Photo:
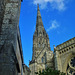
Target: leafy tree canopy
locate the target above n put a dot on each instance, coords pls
(49, 71)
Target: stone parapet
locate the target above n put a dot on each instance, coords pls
(63, 54)
(70, 43)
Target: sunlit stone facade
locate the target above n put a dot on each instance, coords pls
(65, 57)
(62, 59)
(42, 54)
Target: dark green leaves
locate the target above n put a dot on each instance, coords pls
(49, 71)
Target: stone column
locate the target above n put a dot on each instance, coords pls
(57, 60)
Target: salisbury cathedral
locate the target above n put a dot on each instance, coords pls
(62, 59)
(11, 55)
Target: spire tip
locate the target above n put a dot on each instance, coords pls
(38, 5)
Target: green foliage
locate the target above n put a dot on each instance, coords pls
(49, 71)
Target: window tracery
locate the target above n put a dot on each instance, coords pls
(71, 67)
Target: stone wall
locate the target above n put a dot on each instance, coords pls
(11, 57)
(8, 60)
(26, 70)
(2, 9)
(63, 54)
(40, 64)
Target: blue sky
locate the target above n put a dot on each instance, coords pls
(58, 19)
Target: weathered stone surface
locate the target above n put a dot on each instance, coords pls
(63, 54)
(11, 57)
(42, 55)
(7, 60)
(63, 58)
(26, 70)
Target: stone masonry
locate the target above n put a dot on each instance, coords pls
(65, 57)
(11, 55)
(10, 52)
(42, 54)
(62, 59)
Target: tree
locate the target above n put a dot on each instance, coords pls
(49, 71)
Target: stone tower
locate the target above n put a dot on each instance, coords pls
(40, 37)
(42, 54)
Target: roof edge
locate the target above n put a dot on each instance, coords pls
(65, 41)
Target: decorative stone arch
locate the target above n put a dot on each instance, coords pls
(70, 55)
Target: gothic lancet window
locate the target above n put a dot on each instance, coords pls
(71, 67)
(43, 33)
(43, 59)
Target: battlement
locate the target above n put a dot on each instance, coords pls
(66, 44)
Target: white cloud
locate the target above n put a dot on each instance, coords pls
(41, 2)
(54, 25)
(55, 4)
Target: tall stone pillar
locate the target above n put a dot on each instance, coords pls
(57, 60)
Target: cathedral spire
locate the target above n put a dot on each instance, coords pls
(39, 19)
(40, 37)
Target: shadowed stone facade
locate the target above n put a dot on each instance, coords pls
(26, 70)
(62, 59)
(11, 56)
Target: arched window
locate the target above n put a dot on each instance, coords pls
(71, 67)
(42, 59)
(45, 57)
